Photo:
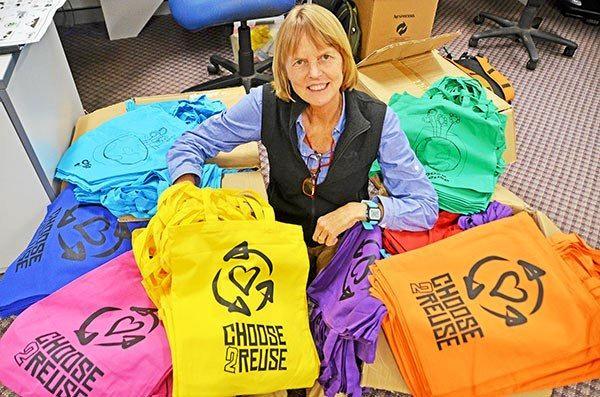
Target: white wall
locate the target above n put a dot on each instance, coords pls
(87, 11)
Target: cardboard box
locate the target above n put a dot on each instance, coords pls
(412, 66)
(244, 156)
(384, 22)
(251, 180)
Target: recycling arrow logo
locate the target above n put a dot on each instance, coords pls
(113, 326)
(358, 269)
(92, 234)
(514, 292)
(247, 284)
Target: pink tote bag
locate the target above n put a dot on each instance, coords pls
(97, 336)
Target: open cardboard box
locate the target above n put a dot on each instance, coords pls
(412, 66)
(243, 156)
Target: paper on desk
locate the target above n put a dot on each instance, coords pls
(25, 21)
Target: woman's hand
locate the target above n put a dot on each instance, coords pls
(330, 226)
(187, 178)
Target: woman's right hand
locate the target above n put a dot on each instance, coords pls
(187, 178)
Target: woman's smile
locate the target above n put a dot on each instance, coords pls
(318, 87)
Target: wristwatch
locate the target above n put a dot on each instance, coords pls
(373, 214)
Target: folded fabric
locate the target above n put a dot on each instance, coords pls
(483, 313)
(399, 241)
(98, 336)
(229, 283)
(346, 319)
(458, 135)
(493, 212)
(72, 239)
(140, 197)
(192, 112)
(122, 162)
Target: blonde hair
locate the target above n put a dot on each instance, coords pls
(322, 27)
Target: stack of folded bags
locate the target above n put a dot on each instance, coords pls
(458, 135)
(98, 335)
(482, 313)
(73, 239)
(217, 265)
(346, 319)
(122, 163)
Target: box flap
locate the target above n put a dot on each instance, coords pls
(383, 373)
(251, 180)
(405, 49)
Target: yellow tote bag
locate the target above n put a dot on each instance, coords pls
(230, 284)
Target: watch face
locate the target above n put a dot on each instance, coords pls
(374, 214)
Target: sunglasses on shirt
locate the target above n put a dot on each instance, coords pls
(309, 184)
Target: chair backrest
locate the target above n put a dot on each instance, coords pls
(200, 14)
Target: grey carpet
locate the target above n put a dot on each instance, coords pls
(163, 59)
(556, 105)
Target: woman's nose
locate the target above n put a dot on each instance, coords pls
(314, 70)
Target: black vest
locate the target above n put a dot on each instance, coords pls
(348, 175)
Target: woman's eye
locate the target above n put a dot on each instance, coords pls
(299, 62)
(326, 57)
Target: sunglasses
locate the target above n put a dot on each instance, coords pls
(309, 184)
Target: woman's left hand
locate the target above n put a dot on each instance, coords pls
(330, 226)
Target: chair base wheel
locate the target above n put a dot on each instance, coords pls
(537, 21)
(473, 42)
(478, 20)
(531, 64)
(569, 51)
(213, 69)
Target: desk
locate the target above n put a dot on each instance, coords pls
(40, 106)
(127, 18)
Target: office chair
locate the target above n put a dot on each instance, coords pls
(524, 30)
(200, 14)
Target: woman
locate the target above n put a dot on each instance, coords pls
(321, 137)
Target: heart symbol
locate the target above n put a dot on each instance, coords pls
(124, 325)
(92, 230)
(511, 291)
(243, 278)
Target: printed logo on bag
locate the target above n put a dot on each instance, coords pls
(247, 286)
(35, 250)
(516, 292)
(439, 149)
(450, 319)
(244, 286)
(358, 269)
(109, 326)
(92, 233)
(254, 348)
(58, 366)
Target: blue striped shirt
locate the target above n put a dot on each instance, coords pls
(412, 204)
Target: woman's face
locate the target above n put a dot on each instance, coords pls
(315, 72)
